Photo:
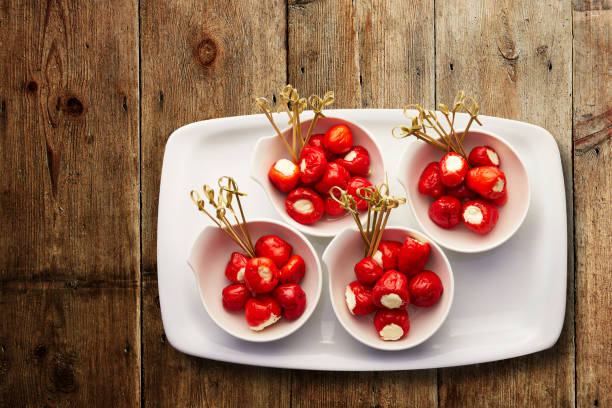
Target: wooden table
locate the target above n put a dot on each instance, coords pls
(90, 91)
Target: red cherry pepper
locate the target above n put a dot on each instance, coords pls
(368, 271)
(261, 312)
(430, 182)
(284, 175)
(354, 184)
(235, 296)
(261, 275)
(483, 156)
(275, 248)
(453, 168)
(359, 299)
(479, 216)
(412, 256)
(391, 291)
(234, 271)
(386, 255)
(304, 205)
(317, 141)
(392, 325)
(335, 175)
(425, 289)
(292, 299)
(338, 139)
(356, 161)
(293, 271)
(332, 207)
(501, 200)
(488, 181)
(461, 192)
(446, 212)
(312, 164)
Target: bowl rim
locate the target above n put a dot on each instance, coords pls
(294, 327)
(312, 229)
(392, 345)
(415, 144)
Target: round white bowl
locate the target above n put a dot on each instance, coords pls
(209, 255)
(461, 239)
(270, 149)
(340, 257)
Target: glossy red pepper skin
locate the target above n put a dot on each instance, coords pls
(359, 165)
(235, 296)
(284, 182)
(391, 282)
(501, 200)
(332, 207)
(452, 177)
(275, 248)
(338, 139)
(461, 192)
(234, 271)
(430, 182)
(425, 289)
(302, 193)
(368, 271)
(484, 179)
(445, 212)
(412, 256)
(260, 308)
(254, 280)
(317, 141)
(293, 271)
(483, 156)
(385, 317)
(312, 164)
(363, 299)
(335, 175)
(389, 251)
(354, 184)
(489, 212)
(292, 299)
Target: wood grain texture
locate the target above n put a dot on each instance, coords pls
(69, 253)
(514, 58)
(593, 200)
(201, 61)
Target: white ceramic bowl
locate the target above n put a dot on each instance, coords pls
(270, 149)
(340, 257)
(416, 157)
(209, 255)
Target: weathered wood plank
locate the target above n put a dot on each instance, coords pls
(216, 58)
(593, 200)
(69, 253)
(514, 58)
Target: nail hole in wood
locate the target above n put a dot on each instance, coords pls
(32, 86)
(549, 66)
(451, 67)
(124, 106)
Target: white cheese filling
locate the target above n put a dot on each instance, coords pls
(240, 275)
(473, 215)
(391, 301)
(273, 319)
(493, 157)
(303, 206)
(286, 167)
(265, 273)
(499, 185)
(303, 165)
(453, 163)
(378, 258)
(351, 301)
(350, 155)
(391, 332)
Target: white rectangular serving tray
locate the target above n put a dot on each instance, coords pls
(509, 301)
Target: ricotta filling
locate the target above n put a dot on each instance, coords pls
(265, 273)
(350, 155)
(271, 320)
(391, 332)
(286, 167)
(453, 163)
(240, 275)
(472, 215)
(493, 157)
(391, 301)
(499, 185)
(303, 206)
(378, 258)
(351, 301)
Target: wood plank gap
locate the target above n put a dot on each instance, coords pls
(140, 299)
